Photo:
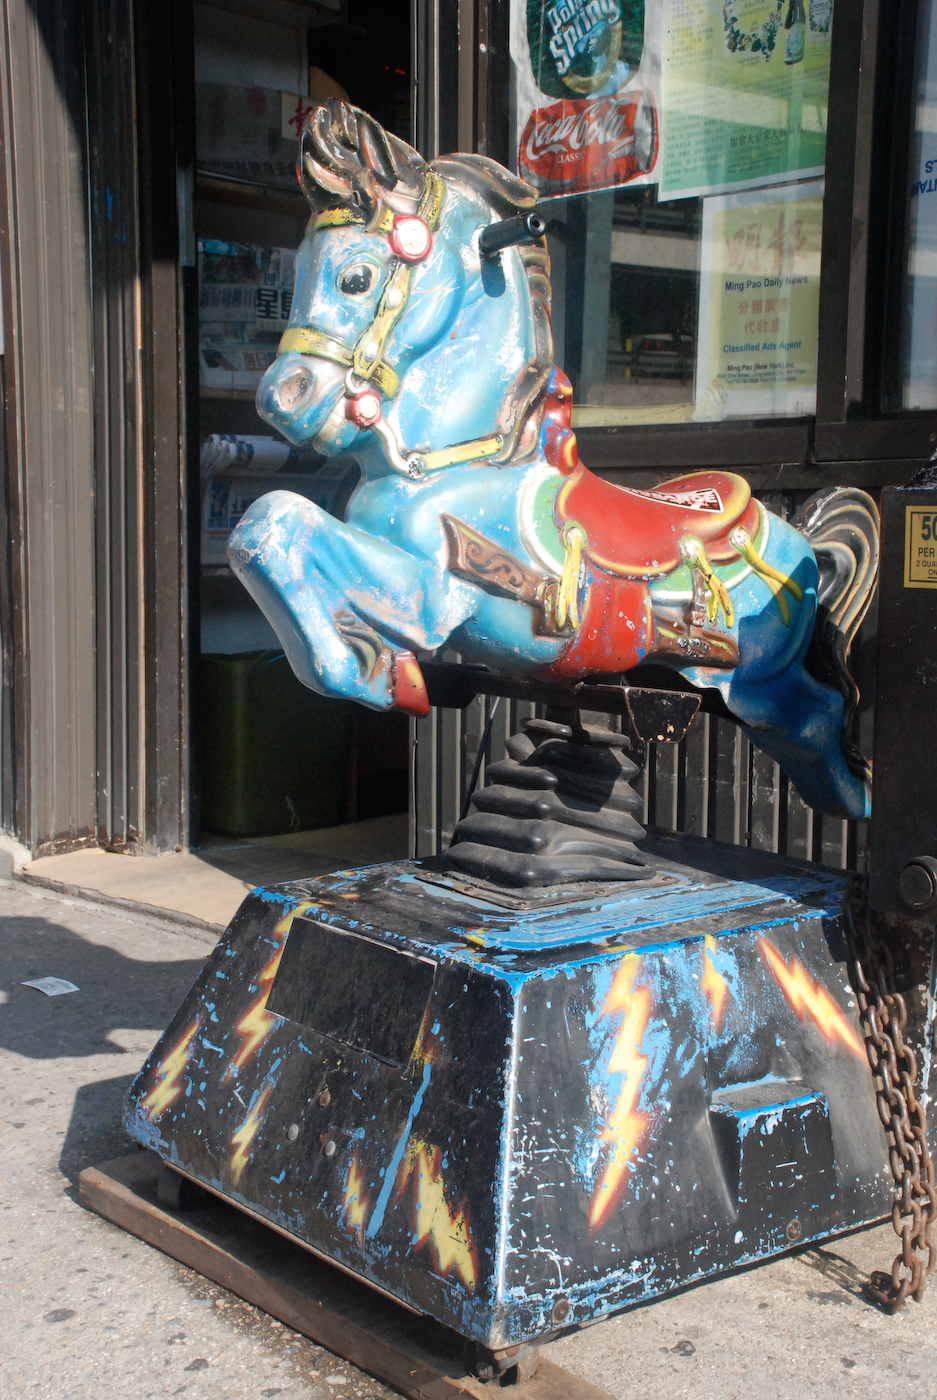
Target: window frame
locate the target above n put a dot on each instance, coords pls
(869, 112)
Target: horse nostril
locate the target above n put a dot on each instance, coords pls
(297, 386)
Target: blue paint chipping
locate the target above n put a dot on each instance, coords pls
(377, 1219)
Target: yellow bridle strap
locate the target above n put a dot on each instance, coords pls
(475, 451)
(369, 352)
(366, 360)
(306, 341)
(383, 220)
(430, 205)
(338, 217)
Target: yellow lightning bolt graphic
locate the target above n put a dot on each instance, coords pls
(447, 1232)
(714, 984)
(805, 995)
(355, 1201)
(242, 1139)
(425, 1048)
(626, 1128)
(256, 1021)
(168, 1088)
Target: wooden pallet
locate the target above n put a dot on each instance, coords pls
(274, 1273)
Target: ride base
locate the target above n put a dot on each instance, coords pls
(517, 1111)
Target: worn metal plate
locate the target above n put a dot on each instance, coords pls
(356, 991)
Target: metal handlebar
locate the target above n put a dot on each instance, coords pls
(522, 228)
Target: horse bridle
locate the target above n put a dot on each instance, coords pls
(369, 378)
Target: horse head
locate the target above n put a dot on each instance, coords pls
(405, 342)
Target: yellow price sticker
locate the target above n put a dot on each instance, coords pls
(920, 547)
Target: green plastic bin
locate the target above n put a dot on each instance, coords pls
(274, 753)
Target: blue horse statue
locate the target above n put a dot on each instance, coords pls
(420, 342)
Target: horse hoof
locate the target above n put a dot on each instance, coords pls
(409, 686)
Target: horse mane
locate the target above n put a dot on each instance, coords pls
(347, 158)
(508, 194)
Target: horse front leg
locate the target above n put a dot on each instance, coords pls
(348, 608)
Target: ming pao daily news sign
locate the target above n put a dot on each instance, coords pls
(586, 106)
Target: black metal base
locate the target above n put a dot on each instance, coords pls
(517, 1118)
(658, 710)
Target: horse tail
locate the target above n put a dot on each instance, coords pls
(842, 525)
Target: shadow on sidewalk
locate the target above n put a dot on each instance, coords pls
(116, 992)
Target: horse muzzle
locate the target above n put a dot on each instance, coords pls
(294, 395)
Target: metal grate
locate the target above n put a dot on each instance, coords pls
(714, 784)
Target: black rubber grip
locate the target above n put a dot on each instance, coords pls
(523, 228)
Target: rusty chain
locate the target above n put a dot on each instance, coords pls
(884, 1015)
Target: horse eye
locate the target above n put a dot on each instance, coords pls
(357, 280)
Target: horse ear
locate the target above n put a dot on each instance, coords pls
(316, 180)
(346, 153)
(333, 131)
(378, 157)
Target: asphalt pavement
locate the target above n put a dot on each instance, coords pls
(89, 1311)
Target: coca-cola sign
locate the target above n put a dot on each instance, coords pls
(590, 143)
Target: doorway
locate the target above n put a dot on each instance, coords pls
(272, 759)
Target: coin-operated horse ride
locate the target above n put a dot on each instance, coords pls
(560, 1069)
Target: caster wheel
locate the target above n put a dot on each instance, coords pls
(176, 1192)
(511, 1366)
(527, 1363)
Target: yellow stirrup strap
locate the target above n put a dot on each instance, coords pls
(567, 595)
(776, 581)
(717, 593)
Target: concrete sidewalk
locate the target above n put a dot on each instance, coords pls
(89, 1311)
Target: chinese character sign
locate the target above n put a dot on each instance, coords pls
(744, 93)
(587, 79)
(293, 112)
(759, 303)
(245, 298)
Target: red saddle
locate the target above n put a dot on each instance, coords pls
(632, 536)
(637, 534)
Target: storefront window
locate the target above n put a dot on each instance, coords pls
(918, 345)
(678, 147)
